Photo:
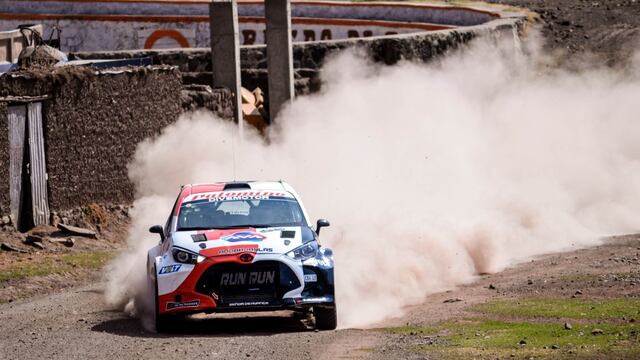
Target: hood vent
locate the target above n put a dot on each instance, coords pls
(236, 186)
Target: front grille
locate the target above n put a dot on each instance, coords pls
(257, 284)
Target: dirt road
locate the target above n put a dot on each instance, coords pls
(77, 324)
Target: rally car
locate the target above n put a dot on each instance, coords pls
(240, 246)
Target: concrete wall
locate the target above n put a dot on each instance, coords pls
(408, 12)
(92, 123)
(93, 25)
(82, 35)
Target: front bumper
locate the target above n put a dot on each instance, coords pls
(226, 284)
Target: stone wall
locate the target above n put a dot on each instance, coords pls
(92, 124)
(217, 100)
(309, 57)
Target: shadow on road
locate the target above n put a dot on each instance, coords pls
(209, 326)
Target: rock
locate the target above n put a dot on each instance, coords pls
(597, 332)
(34, 240)
(69, 242)
(74, 230)
(491, 287)
(55, 219)
(38, 245)
(555, 347)
(578, 292)
(452, 300)
(31, 238)
(530, 282)
(568, 326)
(5, 220)
(8, 247)
(523, 342)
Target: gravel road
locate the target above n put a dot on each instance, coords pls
(76, 324)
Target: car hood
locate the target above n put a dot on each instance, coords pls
(274, 240)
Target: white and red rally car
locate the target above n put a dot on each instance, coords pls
(240, 246)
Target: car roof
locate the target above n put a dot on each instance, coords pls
(237, 185)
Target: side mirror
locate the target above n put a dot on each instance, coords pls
(157, 229)
(320, 224)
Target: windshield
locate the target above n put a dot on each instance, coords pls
(224, 213)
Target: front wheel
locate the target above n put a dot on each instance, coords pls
(326, 317)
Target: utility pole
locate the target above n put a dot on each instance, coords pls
(279, 54)
(225, 51)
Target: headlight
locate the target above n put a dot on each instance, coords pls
(184, 257)
(304, 252)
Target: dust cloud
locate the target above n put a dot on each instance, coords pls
(429, 174)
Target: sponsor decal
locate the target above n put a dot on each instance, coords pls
(265, 250)
(287, 242)
(310, 278)
(268, 230)
(248, 278)
(176, 305)
(243, 236)
(169, 269)
(288, 234)
(231, 251)
(249, 303)
(236, 195)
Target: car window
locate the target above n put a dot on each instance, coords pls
(220, 214)
(167, 225)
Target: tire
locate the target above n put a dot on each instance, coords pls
(326, 318)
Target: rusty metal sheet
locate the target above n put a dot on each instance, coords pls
(17, 134)
(38, 165)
